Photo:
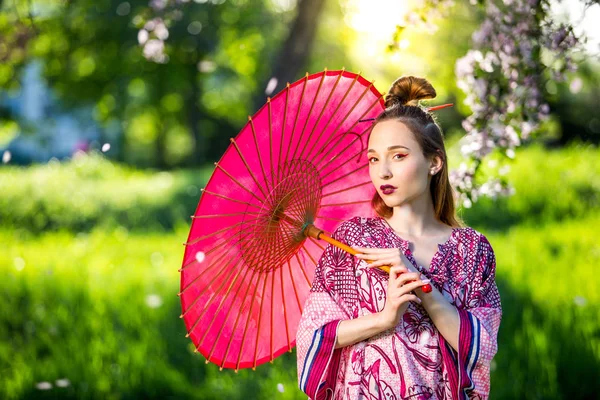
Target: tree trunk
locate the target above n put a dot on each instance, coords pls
(292, 56)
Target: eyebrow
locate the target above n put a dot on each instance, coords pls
(390, 148)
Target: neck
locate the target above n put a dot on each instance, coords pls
(415, 218)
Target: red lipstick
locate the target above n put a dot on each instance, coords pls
(388, 189)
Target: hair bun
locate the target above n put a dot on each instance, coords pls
(408, 90)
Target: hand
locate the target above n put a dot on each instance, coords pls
(384, 257)
(402, 281)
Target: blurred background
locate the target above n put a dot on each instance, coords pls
(112, 113)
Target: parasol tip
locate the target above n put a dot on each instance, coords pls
(253, 368)
(232, 139)
(268, 99)
(202, 190)
(288, 85)
(205, 361)
(188, 335)
(249, 118)
(220, 369)
(235, 370)
(325, 69)
(181, 316)
(216, 164)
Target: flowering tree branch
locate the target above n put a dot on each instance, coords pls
(515, 51)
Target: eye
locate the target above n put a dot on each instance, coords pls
(399, 156)
(372, 159)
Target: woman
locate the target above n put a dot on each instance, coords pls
(364, 334)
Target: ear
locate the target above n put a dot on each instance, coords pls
(435, 164)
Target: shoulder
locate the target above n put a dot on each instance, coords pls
(352, 231)
(473, 239)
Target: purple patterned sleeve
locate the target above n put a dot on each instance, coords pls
(480, 313)
(318, 360)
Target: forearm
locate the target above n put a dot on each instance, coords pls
(352, 331)
(443, 314)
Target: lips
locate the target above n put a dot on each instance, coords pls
(387, 189)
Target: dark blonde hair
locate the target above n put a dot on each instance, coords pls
(402, 104)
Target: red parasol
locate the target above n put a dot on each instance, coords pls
(298, 164)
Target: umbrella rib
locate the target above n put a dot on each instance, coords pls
(260, 311)
(344, 204)
(287, 330)
(237, 365)
(218, 290)
(324, 108)
(303, 271)
(223, 215)
(239, 184)
(294, 286)
(309, 255)
(234, 142)
(262, 168)
(237, 319)
(272, 313)
(228, 228)
(346, 189)
(361, 166)
(216, 340)
(230, 199)
(312, 106)
(329, 218)
(342, 101)
(324, 156)
(317, 243)
(335, 131)
(287, 153)
(285, 109)
(215, 248)
(204, 272)
(348, 146)
(271, 142)
(221, 302)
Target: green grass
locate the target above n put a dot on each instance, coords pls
(88, 291)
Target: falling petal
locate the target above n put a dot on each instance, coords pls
(280, 387)
(580, 301)
(62, 382)
(43, 386)
(19, 263)
(153, 301)
(6, 157)
(271, 86)
(142, 36)
(105, 147)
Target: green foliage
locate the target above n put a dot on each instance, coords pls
(550, 185)
(94, 300)
(91, 191)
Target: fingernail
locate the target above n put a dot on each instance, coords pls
(426, 281)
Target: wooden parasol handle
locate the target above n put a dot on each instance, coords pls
(314, 232)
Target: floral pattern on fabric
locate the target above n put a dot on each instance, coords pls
(411, 361)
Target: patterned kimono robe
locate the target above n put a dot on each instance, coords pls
(412, 360)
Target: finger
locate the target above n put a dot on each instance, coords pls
(373, 250)
(394, 271)
(409, 276)
(386, 261)
(409, 287)
(368, 257)
(409, 297)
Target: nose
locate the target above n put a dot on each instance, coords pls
(384, 171)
